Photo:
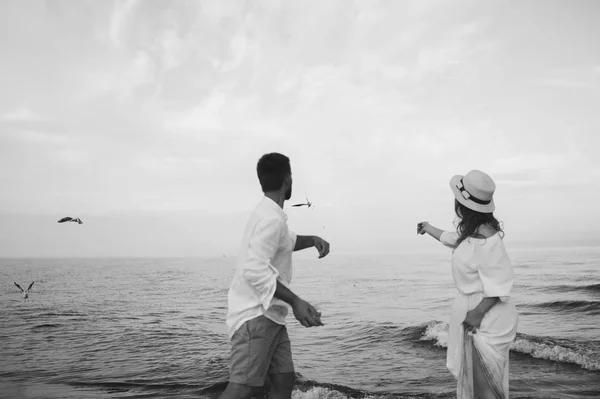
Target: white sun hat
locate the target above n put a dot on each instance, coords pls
(475, 190)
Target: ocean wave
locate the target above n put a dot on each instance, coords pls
(46, 325)
(318, 393)
(553, 349)
(61, 314)
(146, 387)
(590, 307)
(326, 393)
(310, 389)
(591, 288)
(545, 348)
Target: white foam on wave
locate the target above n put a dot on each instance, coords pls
(437, 332)
(318, 393)
(556, 353)
(321, 393)
(324, 393)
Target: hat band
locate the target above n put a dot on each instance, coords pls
(466, 195)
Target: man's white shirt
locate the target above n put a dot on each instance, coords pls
(265, 257)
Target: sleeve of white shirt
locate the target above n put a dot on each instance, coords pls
(496, 275)
(293, 238)
(449, 238)
(258, 271)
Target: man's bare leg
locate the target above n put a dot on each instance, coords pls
(238, 391)
(282, 385)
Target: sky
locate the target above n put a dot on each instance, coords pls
(146, 119)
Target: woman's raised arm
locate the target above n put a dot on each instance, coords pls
(447, 238)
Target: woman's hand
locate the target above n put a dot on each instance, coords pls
(421, 227)
(473, 320)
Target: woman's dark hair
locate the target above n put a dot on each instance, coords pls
(470, 220)
(272, 169)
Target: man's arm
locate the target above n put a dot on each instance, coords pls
(285, 294)
(257, 270)
(306, 314)
(303, 242)
(262, 276)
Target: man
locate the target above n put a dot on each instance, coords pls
(259, 295)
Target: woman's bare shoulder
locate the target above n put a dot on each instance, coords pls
(487, 231)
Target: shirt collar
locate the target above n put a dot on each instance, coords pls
(272, 205)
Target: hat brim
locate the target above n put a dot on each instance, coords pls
(455, 184)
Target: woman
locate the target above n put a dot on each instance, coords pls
(484, 319)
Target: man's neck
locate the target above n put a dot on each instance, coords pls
(276, 196)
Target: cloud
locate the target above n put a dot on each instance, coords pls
(239, 50)
(222, 116)
(169, 165)
(567, 168)
(455, 46)
(37, 137)
(35, 147)
(147, 42)
(528, 162)
(169, 106)
(174, 49)
(20, 115)
(571, 78)
(122, 10)
(121, 78)
(532, 170)
(71, 156)
(567, 83)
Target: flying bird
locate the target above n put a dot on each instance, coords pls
(70, 219)
(25, 292)
(307, 204)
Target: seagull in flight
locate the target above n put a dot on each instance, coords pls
(25, 292)
(70, 219)
(307, 204)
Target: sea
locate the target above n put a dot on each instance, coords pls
(155, 328)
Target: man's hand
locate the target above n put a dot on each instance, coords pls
(322, 246)
(303, 242)
(306, 314)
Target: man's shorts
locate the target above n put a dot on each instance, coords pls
(259, 347)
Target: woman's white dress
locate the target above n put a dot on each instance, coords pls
(481, 268)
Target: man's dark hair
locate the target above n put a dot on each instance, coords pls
(272, 169)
